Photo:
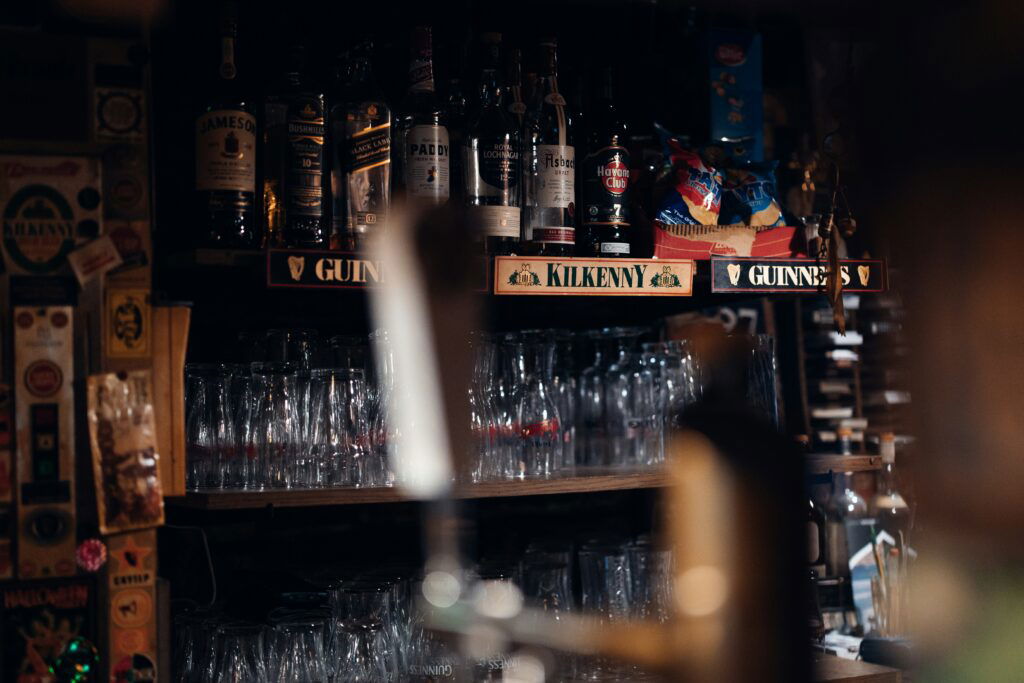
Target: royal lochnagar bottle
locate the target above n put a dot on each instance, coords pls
(425, 151)
(605, 180)
(491, 159)
(361, 153)
(550, 200)
(226, 153)
(294, 173)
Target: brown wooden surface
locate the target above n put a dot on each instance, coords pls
(583, 482)
(832, 668)
(821, 464)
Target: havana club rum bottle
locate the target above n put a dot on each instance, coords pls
(491, 159)
(425, 150)
(550, 203)
(361, 153)
(226, 153)
(294, 173)
(605, 180)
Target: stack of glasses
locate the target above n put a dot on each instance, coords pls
(370, 629)
(543, 403)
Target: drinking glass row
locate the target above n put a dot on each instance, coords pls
(374, 629)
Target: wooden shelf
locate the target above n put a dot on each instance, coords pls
(823, 464)
(586, 482)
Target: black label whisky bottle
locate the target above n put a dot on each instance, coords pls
(225, 180)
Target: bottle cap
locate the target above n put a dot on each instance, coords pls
(844, 432)
(887, 447)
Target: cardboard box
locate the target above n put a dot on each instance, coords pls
(45, 443)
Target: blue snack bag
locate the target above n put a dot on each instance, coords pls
(749, 195)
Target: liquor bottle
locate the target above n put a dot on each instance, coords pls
(226, 153)
(843, 506)
(425, 148)
(550, 202)
(605, 175)
(491, 158)
(515, 101)
(361, 153)
(458, 110)
(891, 510)
(294, 142)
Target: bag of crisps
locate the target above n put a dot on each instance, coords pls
(696, 197)
(750, 196)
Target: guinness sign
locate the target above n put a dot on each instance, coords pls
(793, 275)
(321, 270)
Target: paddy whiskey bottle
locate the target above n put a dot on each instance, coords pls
(425, 151)
(361, 160)
(491, 159)
(294, 179)
(605, 176)
(550, 165)
(226, 154)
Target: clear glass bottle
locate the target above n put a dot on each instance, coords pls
(426, 148)
(550, 202)
(491, 158)
(539, 425)
(891, 510)
(631, 411)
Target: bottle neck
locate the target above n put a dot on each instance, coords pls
(887, 478)
(228, 69)
(548, 62)
(421, 63)
(361, 72)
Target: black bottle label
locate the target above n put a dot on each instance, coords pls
(305, 159)
(606, 187)
(369, 148)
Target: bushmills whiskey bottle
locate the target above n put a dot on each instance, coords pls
(425, 151)
(361, 153)
(294, 176)
(491, 159)
(550, 222)
(605, 180)
(226, 153)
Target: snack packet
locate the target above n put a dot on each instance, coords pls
(696, 197)
(750, 196)
(125, 463)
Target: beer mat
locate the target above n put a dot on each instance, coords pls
(701, 242)
(122, 436)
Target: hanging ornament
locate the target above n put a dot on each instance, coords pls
(91, 554)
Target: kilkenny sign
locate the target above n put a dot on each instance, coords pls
(321, 270)
(792, 275)
(523, 275)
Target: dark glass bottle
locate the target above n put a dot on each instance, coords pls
(491, 158)
(226, 153)
(515, 100)
(550, 201)
(360, 123)
(605, 179)
(294, 177)
(426, 150)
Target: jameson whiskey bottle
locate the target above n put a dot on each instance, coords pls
(425, 151)
(361, 160)
(605, 175)
(294, 138)
(491, 159)
(226, 153)
(550, 225)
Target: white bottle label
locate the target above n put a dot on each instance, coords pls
(226, 151)
(556, 176)
(496, 221)
(426, 163)
(614, 247)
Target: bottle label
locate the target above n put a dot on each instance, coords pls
(305, 159)
(606, 187)
(226, 151)
(556, 176)
(492, 171)
(555, 235)
(619, 248)
(496, 221)
(369, 148)
(426, 163)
